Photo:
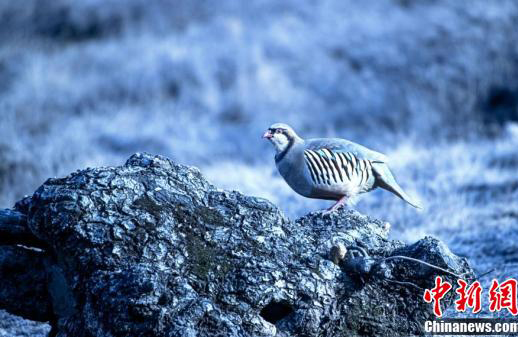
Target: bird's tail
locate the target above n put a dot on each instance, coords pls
(386, 180)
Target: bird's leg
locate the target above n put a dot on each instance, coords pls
(337, 205)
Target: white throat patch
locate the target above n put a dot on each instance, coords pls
(280, 142)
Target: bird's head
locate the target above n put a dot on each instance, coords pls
(281, 135)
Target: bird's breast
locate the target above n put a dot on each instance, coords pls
(295, 175)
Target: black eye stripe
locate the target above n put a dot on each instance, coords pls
(279, 131)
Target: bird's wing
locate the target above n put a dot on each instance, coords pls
(344, 146)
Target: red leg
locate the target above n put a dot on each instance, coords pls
(337, 205)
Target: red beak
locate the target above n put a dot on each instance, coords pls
(267, 134)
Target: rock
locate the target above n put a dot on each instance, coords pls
(24, 277)
(15, 326)
(337, 253)
(153, 249)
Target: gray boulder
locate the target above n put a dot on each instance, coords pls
(153, 249)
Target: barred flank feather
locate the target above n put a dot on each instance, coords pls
(327, 167)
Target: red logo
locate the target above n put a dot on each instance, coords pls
(470, 298)
(436, 294)
(503, 296)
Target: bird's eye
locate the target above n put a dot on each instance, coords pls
(278, 130)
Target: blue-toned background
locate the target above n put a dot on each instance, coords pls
(431, 83)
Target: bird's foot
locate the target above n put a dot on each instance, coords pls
(336, 206)
(328, 211)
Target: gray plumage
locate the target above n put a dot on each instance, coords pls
(330, 168)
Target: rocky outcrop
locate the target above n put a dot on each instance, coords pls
(152, 249)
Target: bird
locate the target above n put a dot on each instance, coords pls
(330, 168)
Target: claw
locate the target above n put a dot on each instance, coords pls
(337, 205)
